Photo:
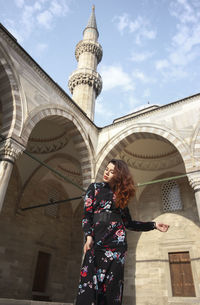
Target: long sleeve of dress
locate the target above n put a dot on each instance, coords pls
(87, 220)
(134, 225)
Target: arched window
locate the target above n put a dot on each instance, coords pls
(171, 198)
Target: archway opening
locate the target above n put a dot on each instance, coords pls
(48, 236)
(153, 157)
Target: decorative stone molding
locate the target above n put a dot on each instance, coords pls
(75, 176)
(151, 164)
(152, 156)
(194, 180)
(38, 146)
(72, 175)
(10, 150)
(92, 47)
(81, 78)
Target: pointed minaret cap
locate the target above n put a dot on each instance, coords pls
(92, 21)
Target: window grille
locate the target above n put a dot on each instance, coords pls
(171, 196)
(52, 210)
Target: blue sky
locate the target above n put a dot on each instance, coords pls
(151, 48)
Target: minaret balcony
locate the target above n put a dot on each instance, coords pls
(89, 46)
(85, 77)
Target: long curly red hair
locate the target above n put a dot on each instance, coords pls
(122, 183)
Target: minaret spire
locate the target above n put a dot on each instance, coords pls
(85, 83)
(92, 21)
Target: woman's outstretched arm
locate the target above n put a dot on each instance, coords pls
(134, 225)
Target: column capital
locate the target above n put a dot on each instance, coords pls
(194, 180)
(10, 150)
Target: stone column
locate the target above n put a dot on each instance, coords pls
(9, 152)
(194, 180)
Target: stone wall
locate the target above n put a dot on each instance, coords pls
(147, 275)
(23, 234)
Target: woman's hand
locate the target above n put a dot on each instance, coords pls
(88, 245)
(161, 227)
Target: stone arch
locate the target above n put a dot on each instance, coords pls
(9, 98)
(40, 170)
(40, 197)
(195, 146)
(116, 145)
(76, 132)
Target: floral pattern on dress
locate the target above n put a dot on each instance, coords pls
(102, 272)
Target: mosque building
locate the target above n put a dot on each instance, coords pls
(51, 150)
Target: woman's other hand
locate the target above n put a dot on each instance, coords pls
(88, 245)
(162, 227)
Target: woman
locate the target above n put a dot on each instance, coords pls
(106, 216)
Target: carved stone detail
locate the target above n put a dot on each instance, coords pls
(86, 79)
(72, 175)
(75, 176)
(10, 149)
(94, 48)
(151, 163)
(151, 156)
(44, 147)
(194, 180)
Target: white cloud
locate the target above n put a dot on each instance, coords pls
(140, 27)
(185, 43)
(59, 7)
(19, 3)
(55, 9)
(140, 57)
(183, 10)
(114, 76)
(132, 101)
(161, 64)
(135, 103)
(40, 48)
(45, 19)
(139, 75)
(33, 14)
(102, 109)
(10, 25)
(147, 93)
(123, 22)
(135, 25)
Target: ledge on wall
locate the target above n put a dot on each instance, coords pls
(136, 113)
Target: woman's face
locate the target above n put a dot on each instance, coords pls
(108, 173)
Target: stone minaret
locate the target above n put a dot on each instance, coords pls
(85, 83)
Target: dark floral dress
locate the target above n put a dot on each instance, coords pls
(102, 272)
